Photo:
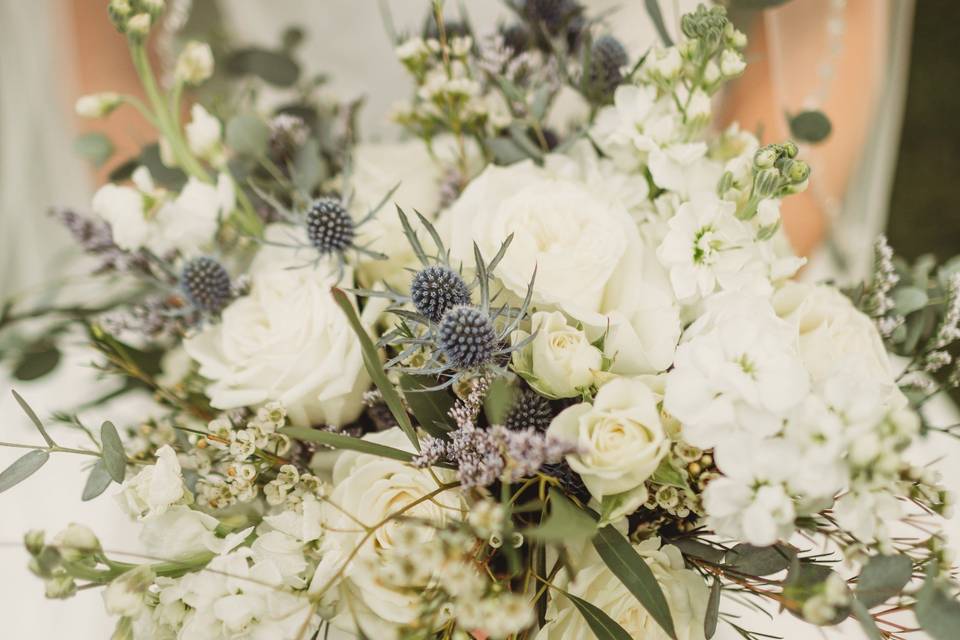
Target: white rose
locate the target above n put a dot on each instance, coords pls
(620, 437)
(288, 341)
(378, 168)
(560, 361)
(195, 63)
(156, 488)
(204, 132)
(685, 591)
(832, 332)
(372, 488)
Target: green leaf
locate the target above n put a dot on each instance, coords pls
(805, 581)
(758, 561)
(94, 146)
(713, 610)
(758, 5)
(505, 151)
(274, 67)
(867, 623)
(341, 441)
(114, 457)
(697, 549)
(937, 612)
(810, 126)
(906, 300)
(625, 563)
(430, 408)
(24, 467)
(97, 482)
(667, 474)
(541, 100)
(39, 359)
(33, 418)
(518, 133)
(247, 134)
(656, 16)
(602, 625)
(308, 168)
(882, 578)
(169, 177)
(499, 400)
(565, 522)
(371, 359)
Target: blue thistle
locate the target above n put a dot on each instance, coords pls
(529, 409)
(206, 284)
(607, 59)
(467, 337)
(436, 289)
(329, 226)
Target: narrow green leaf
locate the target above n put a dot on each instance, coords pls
(937, 612)
(713, 610)
(505, 151)
(114, 457)
(430, 408)
(602, 625)
(371, 359)
(33, 418)
(518, 133)
(565, 522)
(758, 561)
(656, 16)
(97, 482)
(882, 578)
(867, 623)
(341, 441)
(24, 467)
(625, 563)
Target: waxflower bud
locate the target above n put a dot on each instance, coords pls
(97, 105)
(195, 63)
(139, 25)
(765, 157)
(790, 149)
(797, 171)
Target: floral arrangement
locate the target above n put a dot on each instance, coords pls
(524, 374)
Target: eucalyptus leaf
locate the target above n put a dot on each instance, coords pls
(625, 563)
(566, 521)
(371, 359)
(505, 151)
(656, 16)
(713, 610)
(22, 468)
(274, 67)
(937, 612)
(430, 408)
(94, 146)
(247, 134)
(308, 166)
(867, 623)
(810, 126)
(97, 482)
(341, 441)
(697, 549)
(758, 561)
(499, 400)
(906, 300)
(518, 133)
(37, 360)
(602, 625)
(114, 457)
(33, 418)
(882, 578)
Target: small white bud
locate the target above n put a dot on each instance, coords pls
(195, 63)
(731, 63)
(76, 541)
(97, 105)
(139, 25)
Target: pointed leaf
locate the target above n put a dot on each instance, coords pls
(602, 625)
(625, 563)
(713, 610)
(341, 441)
(97, 482)
(867, 623)
(24, 467)
(33, 418)
(430, 408)
(114, 457)
(565, 522)
(371, 359)
(656, 16)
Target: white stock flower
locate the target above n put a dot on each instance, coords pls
(372, 488)
(204, 133)
(182, 532)
(684, 169)
(636, 124)
(560, 361)
(195, 63)
(620, 437)
(286, 341)
(685, 591)
(124, 208)
(737, 369)
(707, 248)
(156, 488)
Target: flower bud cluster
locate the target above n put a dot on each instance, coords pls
(135, 17)
(75, 549)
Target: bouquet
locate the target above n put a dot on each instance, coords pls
(538, 370)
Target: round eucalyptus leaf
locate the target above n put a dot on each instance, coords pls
(810, 126)
(247, 134)
(94, 146)
(37, 362)
(273, 67)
